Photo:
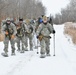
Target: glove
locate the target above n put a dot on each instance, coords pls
(6, 33)
(12, 36)
(18, 27)
(40, 37)
(37, 37)
(53, 31)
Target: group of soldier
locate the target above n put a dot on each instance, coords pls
(23, 30)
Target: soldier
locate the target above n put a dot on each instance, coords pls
(33, 23)
(43, 34)
(29, 34)
(38, 22)
(9, 32)
(13, 21)
(20, 36)
(3, 22)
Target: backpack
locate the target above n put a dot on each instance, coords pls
(4, 22)
(38, 23)
(40, 20)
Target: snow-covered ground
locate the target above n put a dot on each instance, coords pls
(29, 63)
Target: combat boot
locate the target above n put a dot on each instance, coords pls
(48, 54)
(22, 51)
(5, 54)
(13, 52)
(35, 47)
(26, 49)
(31, 49)
(42, 56)
(18, 49)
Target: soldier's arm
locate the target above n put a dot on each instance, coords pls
(36, 26)
(15, 30)
(3, 29)
(25, 27)
(51, 28)
(31, 28)
(39, 29)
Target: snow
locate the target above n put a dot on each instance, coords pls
(29, 63)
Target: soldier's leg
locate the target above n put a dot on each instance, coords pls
(22, 42)
(26, 43)
(18, 44)
(47, 47)
(12, 41)
(6, 42)
(31, 42)
(42, 43)
(35, 41)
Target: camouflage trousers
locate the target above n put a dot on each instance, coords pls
(45, 45)
(30, 38)
(34, 40)
(6, 43)
(20, 42)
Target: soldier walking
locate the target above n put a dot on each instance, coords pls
(29, 34)
(9, 32)
(43, 34)
(20, 36)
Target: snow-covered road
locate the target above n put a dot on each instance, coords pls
(29, 63)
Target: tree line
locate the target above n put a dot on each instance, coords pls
(67, 14)
(21, 8)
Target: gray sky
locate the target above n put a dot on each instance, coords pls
(54, 6)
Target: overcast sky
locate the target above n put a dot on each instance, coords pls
(54, 6)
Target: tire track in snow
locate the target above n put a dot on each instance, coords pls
(21, 63)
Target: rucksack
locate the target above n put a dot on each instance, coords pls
(40, 20)
(4, 22)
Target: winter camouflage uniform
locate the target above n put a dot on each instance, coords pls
(11, 30)
(34, 34)
(20, 36)
(3, 22)
(29, 34)
(38, 22)
(43, 34)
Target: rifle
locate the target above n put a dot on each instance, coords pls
(10, 32)
(20, 31)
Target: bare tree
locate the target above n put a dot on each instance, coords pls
(21, 8)
(68, 14)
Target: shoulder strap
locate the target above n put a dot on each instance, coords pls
(45, 27)
(41, 29)
(23, 28)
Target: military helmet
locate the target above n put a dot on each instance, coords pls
(44, 18)
(27, 21)
(8, 19)
(20, 19)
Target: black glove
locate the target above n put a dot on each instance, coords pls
(37, 37)
(53, 31)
